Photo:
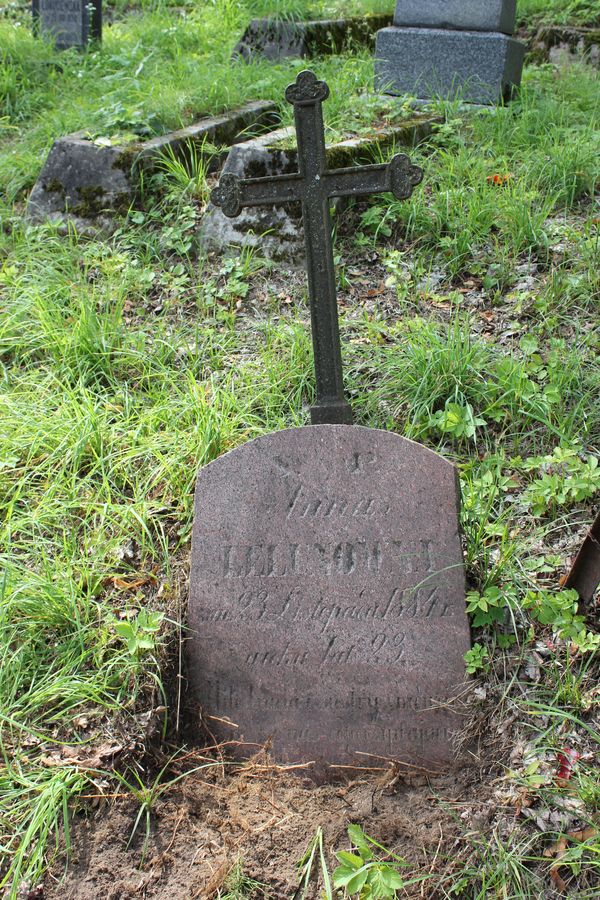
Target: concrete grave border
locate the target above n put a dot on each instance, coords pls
(85, 183)
(277, 229)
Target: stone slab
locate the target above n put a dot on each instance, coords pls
(276, 231)
(70, 23)
(478, 67)
(562, 45)
(466, 15)
(327, 609)
(275, 39)
(86, 184)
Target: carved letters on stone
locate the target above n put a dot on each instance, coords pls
(327, 596)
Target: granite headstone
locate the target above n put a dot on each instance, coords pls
(469, 15)
(452, 48)
(70, 23)
(327, 604)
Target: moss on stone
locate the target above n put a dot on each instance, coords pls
(127, 157)
(90, 204)
(55, 186)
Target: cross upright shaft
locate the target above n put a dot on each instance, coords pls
(312, 187)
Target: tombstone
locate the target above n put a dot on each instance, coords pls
(327, 611)
(450, 48)
(70, 23)
(276, 39)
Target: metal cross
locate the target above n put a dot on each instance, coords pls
(312, 186)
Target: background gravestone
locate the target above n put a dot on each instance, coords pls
(276, 39)
(327, 596)
(455, 48)
(71, 23)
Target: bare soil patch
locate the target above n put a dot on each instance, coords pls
(202, 827)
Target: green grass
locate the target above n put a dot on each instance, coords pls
(559, 12)
(126, 364)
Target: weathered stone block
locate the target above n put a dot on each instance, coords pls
(327, 598)
(85, 183)
(277, 230)
(70, 23)
(478, 67)
(562, 44)
(276, 39)
(468, 15)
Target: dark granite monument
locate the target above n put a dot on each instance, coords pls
(71, 23)
(327, 607)
(451, 48)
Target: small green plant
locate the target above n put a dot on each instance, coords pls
(560, 611)
(567, 479)
(140, 633)
(311, 864)
(477, 659)
(147, 795)
(239, 886)
(367, 875)
(457, 420)
(186, 171)
(488, 608)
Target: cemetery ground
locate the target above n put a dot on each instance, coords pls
(469, 322)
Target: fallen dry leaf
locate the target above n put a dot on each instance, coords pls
(124, 584)
(558, 850)
(75, 756)
(567, 759)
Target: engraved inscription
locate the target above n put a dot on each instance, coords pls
(327, 597)
(64, 19)
(294, 607)
(331, 558)
(305, 505)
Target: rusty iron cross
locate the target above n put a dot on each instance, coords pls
(312, 186)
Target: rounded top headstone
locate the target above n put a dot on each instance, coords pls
(327, 607)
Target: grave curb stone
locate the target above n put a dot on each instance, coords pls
(314, 540)
(465, 15)
(561, 43)
(84, 183)
(275, 39)
(275, 229)
(478, 67)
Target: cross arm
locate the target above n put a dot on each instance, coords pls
(398, 176)
(233, 193)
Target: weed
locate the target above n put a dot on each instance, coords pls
(311, 866)
(364, 874)
(148, 795)
(239, 886)
(139, 633)
(476, 659)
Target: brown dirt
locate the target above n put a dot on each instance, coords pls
(204, 825)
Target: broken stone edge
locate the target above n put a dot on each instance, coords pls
(84, 184)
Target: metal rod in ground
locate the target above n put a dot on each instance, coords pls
(584, 576)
